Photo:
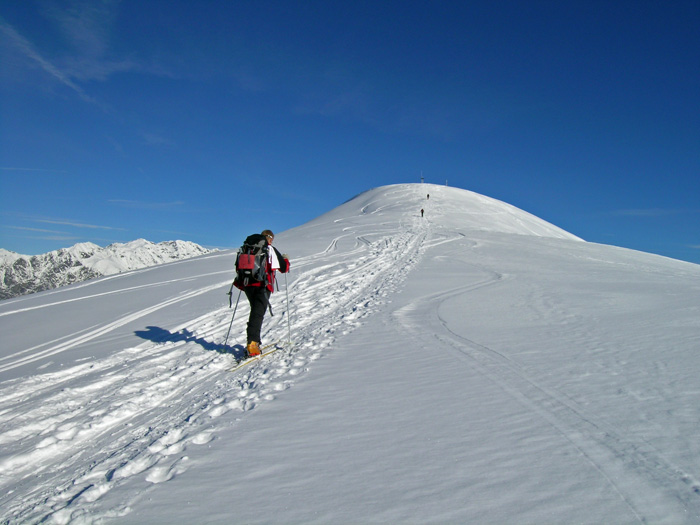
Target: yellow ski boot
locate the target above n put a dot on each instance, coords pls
(253, 349)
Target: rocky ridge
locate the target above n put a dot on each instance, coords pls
(25, 274)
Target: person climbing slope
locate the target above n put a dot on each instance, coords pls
(258, 283)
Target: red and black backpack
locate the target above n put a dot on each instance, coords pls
(251, 262)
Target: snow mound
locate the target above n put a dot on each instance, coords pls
(451, 208)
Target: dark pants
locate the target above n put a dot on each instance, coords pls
(259, 298)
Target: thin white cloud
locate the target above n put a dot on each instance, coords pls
(56, 238)
(85, 68)
(38, 230)
(32, 170)
(27, 218)
(78, 224)
(143, 205)
(28, 50)
(652, 212)
(86, 24)
(152, 139)
(86, 27)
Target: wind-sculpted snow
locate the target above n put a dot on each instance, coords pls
(473, 365)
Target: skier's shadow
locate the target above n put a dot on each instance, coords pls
(161, 335)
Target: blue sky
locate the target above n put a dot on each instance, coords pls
(205, 121)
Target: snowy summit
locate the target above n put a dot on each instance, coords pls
(467, 363)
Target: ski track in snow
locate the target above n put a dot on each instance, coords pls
(32, 354)
(129, 406)
(625, 464)
(89, 283)
(142, 408)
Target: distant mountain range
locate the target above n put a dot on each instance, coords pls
(25, 274)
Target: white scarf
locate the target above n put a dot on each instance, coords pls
(274, 262)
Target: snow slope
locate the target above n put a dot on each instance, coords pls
(476, 365)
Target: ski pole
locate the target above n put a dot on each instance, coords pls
(289, 324)
(232, 317)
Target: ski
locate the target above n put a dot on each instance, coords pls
(263, 352)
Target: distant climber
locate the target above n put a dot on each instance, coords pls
(421, 212)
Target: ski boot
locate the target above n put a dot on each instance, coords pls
(253, 349)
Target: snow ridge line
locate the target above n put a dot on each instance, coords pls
(123, 403)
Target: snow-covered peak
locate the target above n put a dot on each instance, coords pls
(8, 256)
(22, 274)
(81, 250)
(120, 257)
(448, 207)
(443, 207)
(465, 210)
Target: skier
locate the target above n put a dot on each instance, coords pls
(421, 212)
(258, 292)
